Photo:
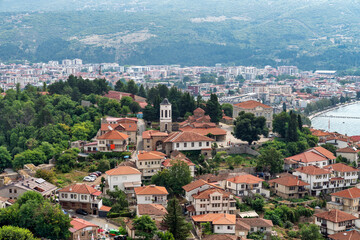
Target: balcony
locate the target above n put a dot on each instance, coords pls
(301, 189)
(317, 187)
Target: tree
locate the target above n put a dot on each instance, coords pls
(145, 227)
(103, 165)
(29, 156)
(47, 175)
(329, 147)
(292, 134)
(213, 109)
(126, 101)
(5, 158)
(280, 123)
(66, 161)
(300, 125)
(284, 107)
(15, 233)
(175, 221)
(206, 228)
(310, 232)
(186, 79)
(119, 86)
(249, 128)
(228, 109)
(221, 80)
(117, 199)
(165, 236)
(132, 87)
(142, 92)
(271, 160)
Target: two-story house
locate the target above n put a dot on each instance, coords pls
(289, 187)
(334, 221)
(317, 156)
(212, 200)
(128, 128)
(112, 141)
(151, 194)
(245, 185)
(149, 163)
(80, 196)
(346, 200)
(222, 223)
(195, 187)
(124, 178)
(155, 211)
(82, 230)
(245, 226)
(342, 176)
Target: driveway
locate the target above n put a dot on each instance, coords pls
(141, 129)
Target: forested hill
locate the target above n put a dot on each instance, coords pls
(311, 34)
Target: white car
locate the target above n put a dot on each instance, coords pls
(93, 176)
(89, 179)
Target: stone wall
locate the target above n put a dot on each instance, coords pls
(239, 149)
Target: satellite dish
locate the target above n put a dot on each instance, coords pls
(110, 128)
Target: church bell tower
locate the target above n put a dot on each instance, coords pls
(165, 116)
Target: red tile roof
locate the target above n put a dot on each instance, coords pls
(355, 138)
(324, 152)
(169, 162)
(307, 157)
(247, 178)
(151, 155)
(197, 184)
(341, 167)
(336, 216)
(204, 131)
(312, 170)
(289, 181)
(256, 222)
(220, 237)
(153, 133)
(151, 209)
(348, 235)
(129, 127)
(347, 150)
(122, 170)
(79, 188)
(251, 104)
(216, 218)
(199, 110)
(105, 208)
(187, 137)
(151, 190)
(79, 224)
(348, 193)
(116, 135)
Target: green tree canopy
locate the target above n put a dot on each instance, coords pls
(175, 221)
(5, 158)
(271, 160)
(16, 233)
(249, 128)
(228, 109)
(213, 109)
(310, 232)
(145, 227)
(280, 123)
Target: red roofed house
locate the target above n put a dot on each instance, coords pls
(347, 235)
(257, 108)
(155, 211)
(194, 187)
(243, 184)
(347, 200)
(128, 128)
(83, 230)
(199, 119)
(317, 156)
(289, 187)
(188, 141)
(151, 194)
(112, 141)
(153, 140)
(334, 221)
(125, 178)
(221, 223)
(149, 163)
(80, 196)
(212, 200)
(350, 153)
(178, 156)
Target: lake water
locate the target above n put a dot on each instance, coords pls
(341, 125)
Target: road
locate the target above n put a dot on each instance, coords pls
(141, 129)
(101, 222)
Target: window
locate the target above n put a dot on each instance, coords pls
(62, 195)
(292, 188)
(162, 113)
(140, 163)
(177, 145)
(10, 190)
(15, 191)
(207, 143)
(192, 144)
(185, 144)
(229, 227)
(200, 144)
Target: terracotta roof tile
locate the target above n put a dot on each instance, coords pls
(204, 131)
(199, 110)
(307, 157)
(348, 193)
(169, 162)
(355, 138)
(79, 224)
(122, 170)
(348, 235)
(129, 127)
(257, 222)
(336, 216)
(151, 155)
(324, 152)
(79, 188)
(312, 170)
(151, 209)
(220, 237)
(153, 133)
(347, 150)
(151, 190)
(187, 137)
(341, 167)
(105, 208)
(193, 185)
(216, 218)
(247, 178)
(251, 104)
(116, 135)
(289, 181)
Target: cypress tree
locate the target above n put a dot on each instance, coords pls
(175, 222)
(292, 134)
(299, 122)
(213, 109)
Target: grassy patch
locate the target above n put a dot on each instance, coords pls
(64, 179)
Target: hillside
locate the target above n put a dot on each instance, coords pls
(311, 34)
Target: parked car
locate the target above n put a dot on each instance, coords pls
(93, 176)
(120, 237)
(99, 173)
(89, 179)
(81, 211)
(95, 173)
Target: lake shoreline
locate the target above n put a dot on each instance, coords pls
(314, 115)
